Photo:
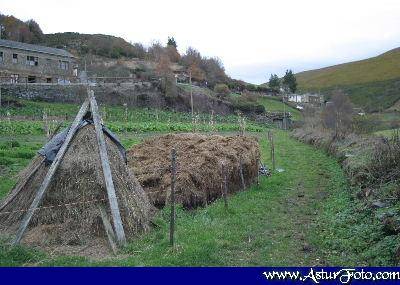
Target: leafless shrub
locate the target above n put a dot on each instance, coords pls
(338, 114)
(167, 77)
(312, 117)
(385, 166)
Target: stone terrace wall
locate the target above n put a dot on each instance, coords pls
(139, 94)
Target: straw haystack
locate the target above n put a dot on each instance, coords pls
(75, 207)
(199, 159)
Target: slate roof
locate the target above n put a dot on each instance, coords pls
(35, 48)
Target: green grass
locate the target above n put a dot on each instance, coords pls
(15, 154)
(197, 89)
(234, 95)
(355, 235)
(387, 133)
(274, 105)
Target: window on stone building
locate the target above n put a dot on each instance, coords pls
(1, 56)
(14, 78)
(32, 60)
(15, 58)
(31, 79)
(64, 65)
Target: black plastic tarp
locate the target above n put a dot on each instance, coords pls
(51, 149)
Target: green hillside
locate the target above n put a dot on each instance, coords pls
(372, 83)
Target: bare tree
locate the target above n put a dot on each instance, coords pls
(338, 114)
(312, 117)
(155, 51)
(168, 80)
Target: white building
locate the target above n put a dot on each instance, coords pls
(296, 98)
(314, 99)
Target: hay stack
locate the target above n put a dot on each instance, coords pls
(69, 212)
(199, 159)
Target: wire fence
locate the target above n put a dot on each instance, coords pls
(53, 206)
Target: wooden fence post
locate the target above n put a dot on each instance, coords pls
(126, 112)
(273, 151)
(225, 185)
(258, 171)
(172, 197)
(104, 117)
(46, 124)
(271, 141)
(241, 173)
(126, 116)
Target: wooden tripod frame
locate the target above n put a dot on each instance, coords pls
(119, 234)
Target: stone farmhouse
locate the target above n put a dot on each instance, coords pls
(27, 63)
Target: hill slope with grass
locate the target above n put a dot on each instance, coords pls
(273, 104)
(373, 83)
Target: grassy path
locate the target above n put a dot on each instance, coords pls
(272, 224)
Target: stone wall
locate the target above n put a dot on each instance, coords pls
(139, 94)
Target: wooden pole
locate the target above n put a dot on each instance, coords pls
(112, 197)
(172, 197)
(258, 171)
(225, 185)
(46, 124)
(191, 91)
(241, 173)
(272, 151)
(126, 112)
(1, 30)
(108, 228)
(126, 117)
(46, 182)
(284, 112)
(269, 141)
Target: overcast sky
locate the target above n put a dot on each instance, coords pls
(252, 38)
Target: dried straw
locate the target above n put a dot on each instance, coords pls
(69, 214)
(199, 159)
